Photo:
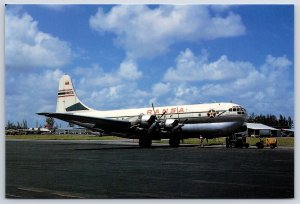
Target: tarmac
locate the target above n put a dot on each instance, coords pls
(120, 169)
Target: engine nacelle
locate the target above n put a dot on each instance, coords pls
(171, 123)
(147, 120)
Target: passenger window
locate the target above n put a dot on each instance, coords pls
(230, 109)
(234, 109)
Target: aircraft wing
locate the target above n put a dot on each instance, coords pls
(97, 123)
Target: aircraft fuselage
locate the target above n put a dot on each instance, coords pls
(208, 120)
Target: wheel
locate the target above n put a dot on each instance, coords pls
(227, 142)
(174, 141)
(239, 143)
(259, 145)
(246, 145)
(145, 142)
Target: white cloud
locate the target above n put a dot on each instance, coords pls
(126, 95)
(197, 68)
(280, 62)
(96, 76)
(110, 89)
(28, 47)
(263, 89)
(226, 80)
(129, 70)
(149, 32)
(160, 88)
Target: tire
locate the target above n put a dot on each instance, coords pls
(239, 144)
(246, 145)
(145, 142)
(227, 142)
(174, 142)
(259, 145)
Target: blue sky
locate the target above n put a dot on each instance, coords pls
(130, 56)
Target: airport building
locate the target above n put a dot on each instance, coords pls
(79, 131)
(261, 130)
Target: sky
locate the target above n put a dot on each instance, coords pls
(129, 56)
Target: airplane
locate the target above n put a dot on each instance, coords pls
(27, 131)
(37, 131)
(175, 123)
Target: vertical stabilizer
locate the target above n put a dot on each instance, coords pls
(67, 100)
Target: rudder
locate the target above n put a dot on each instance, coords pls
(67, 99)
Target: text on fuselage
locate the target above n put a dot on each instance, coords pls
(167, 110)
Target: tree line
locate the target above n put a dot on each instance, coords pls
(17, 125)
(271, 120)
(23, 125)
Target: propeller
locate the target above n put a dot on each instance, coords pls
(178, 128)
(155, 126)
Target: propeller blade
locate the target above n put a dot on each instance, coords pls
(162, 115)
(221, 113)
(153, 109)
(185, 121)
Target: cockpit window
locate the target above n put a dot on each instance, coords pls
(238, 109)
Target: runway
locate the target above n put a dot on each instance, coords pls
(120, 169)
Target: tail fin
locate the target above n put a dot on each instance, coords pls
(67, 100)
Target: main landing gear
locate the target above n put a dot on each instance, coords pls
(145, 141)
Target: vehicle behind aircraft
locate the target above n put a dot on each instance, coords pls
(174, 122)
